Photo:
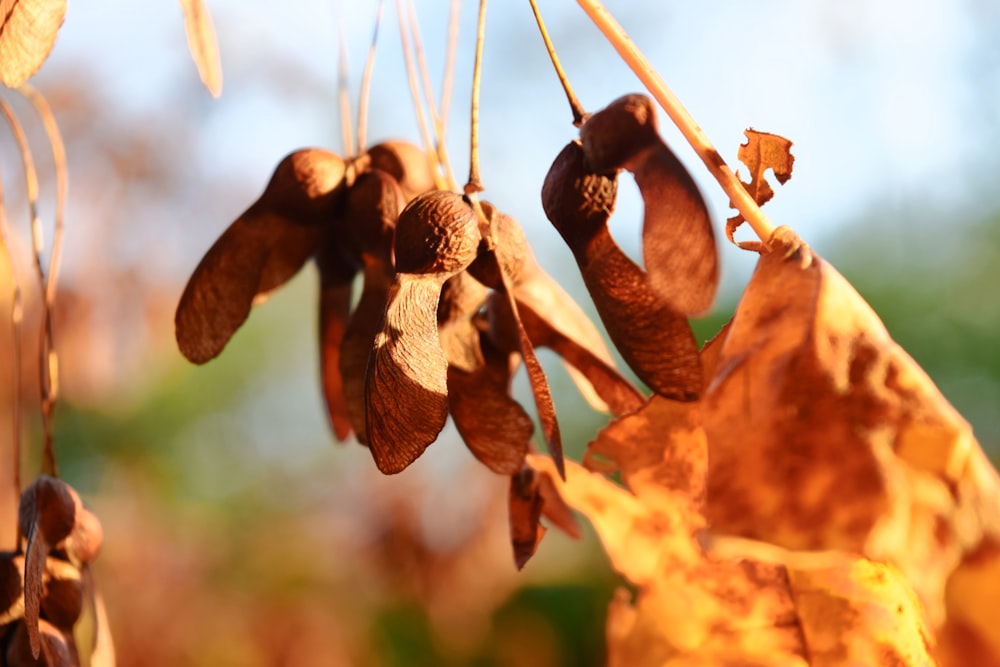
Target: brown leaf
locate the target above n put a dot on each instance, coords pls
(655, 340)
(260, 251)
(406, 400)
(823, 433)
(202, 44)
(98, 645)
(28, 31)
(679, 247)
(761, 152)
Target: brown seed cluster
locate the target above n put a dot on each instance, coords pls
(448, 311)
(46, 587)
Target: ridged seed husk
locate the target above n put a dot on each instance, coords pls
(656, 341)
(406, 163)
(437, 233)
(679, 247)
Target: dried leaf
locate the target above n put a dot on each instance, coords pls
(98, 643)
(823, 433)
(202, 44)
(406, 400)
(260, 251)
(655, 340)
(28, 31)
(695, 607)
(679, 247)
(761, 152)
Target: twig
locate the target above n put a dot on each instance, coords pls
(448, 82)
(740, 199)
(574, 104)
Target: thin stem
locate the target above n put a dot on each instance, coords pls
(448, 82)
(47, 360)
(16, 317)
(344, 97)
(626, 48)
(574, 104)
(439, 139)
(366, 81)
(59, 163)
(413, 81)
(475, 184)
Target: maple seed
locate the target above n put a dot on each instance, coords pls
(655, 340)
(406, 163)
(679, 247)
(406, 395)
(260, 251)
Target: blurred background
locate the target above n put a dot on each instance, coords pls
(237, 531)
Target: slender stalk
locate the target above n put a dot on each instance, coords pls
(574, 104)
(657, 87)
(439, 139)
(475, 183)
(413, 80)
(450, 58)
(366, 83)
(16, 317)
(344, 98)
(47, 360)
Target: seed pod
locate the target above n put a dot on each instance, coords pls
(46, 516)
(373, 205)
(406, 163)
(462, 297)
(11, 592)
(83, 544)
(654, 339)
(494, 426)
(62, 601)
(54, 649)
(679, 247)
(406, 402)
(260, 251)
(533, 495)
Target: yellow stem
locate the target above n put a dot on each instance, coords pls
(657, 87)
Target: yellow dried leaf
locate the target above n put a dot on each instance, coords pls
(28, 31)
(695, 607)
(202, 44)
(823, 433)
(761, 152)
